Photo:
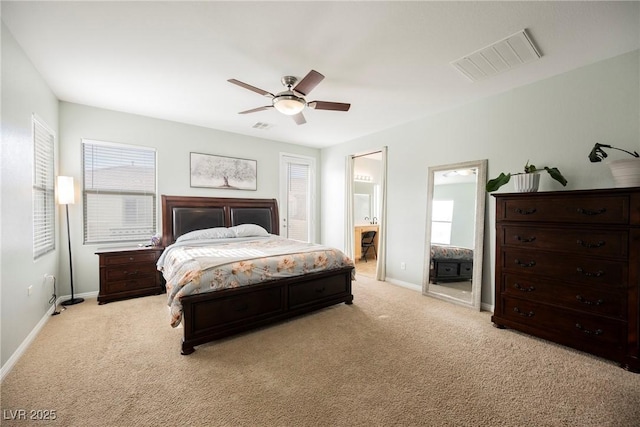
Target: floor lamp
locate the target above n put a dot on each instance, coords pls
(66, 196)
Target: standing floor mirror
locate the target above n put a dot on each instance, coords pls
(455, 232)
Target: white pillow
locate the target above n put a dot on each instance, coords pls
(249, 230)
(207, 233)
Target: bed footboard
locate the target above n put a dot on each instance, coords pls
(214, 315)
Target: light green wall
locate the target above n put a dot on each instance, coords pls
(553, 122)
(173, 142)
(24, 92)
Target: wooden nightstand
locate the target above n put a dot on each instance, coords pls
(129, 272)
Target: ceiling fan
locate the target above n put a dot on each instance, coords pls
(291, 101)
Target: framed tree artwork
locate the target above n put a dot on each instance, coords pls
(231, 173)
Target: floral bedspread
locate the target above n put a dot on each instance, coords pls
(193, 268)
(451, 252)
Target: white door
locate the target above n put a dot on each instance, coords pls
(297, 197)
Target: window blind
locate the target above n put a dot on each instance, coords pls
(43, 189)
(119, 192)
(298, 201)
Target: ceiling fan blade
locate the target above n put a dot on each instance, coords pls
(252, 88)
(325, 105)
(299, 119)
(309, 81)
(253, 110)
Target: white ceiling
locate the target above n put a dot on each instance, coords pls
(390, 60)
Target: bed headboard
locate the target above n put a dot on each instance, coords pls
(182, 214)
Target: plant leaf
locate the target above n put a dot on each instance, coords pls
(494, 184)
(555, 174)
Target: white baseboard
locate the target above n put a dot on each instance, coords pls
(483, 306)
(487, 307)
(6, 368)
(407, 285)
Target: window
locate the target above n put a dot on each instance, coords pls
(119, 193)
(441, 219)
(296, 207)
(43, 189)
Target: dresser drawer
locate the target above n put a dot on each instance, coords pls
(130, 257)
(304, 293)
(569, 326)
(610, 243)
(581, 270)
(130, 272)
(585, 209)
(587, 299)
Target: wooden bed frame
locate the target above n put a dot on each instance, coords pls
(214, 315)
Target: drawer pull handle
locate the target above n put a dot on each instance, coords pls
(522, 313)
(525, 264)
(130, 273)
(587, 331)
(589, 274)
(320, 290)
(525, 239)
(520, 288)
(587, 302)
(599, 244)
(131, 258)
(526, 211)
(592, 212)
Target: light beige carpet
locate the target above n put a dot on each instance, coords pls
(393, 358)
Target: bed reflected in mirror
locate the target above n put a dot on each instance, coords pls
(455, 232)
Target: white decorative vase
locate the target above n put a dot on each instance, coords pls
(626, 172)
(527, 182)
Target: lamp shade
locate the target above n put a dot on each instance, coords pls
(66, 193)
(288, 104)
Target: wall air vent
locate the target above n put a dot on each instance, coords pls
(494, 59)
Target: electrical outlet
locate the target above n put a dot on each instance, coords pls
(403, 266)
(29, 290)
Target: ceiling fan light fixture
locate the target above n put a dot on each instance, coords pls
(289, 104)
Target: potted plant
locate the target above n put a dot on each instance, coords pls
(626, 172)
(526, 181)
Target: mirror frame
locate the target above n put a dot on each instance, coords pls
(478, 255)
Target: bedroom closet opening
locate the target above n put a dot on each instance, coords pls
(367, 218)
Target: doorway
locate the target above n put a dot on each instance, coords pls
(366, 219)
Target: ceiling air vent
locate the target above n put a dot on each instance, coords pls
(262, 125)
(504, 55)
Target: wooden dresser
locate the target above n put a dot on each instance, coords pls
(129, 272)
(568, 269)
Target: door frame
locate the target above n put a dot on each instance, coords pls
(283, 190)
(349, 211)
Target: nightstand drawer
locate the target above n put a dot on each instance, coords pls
(131, 285)
(130, 271)
(130, 257)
